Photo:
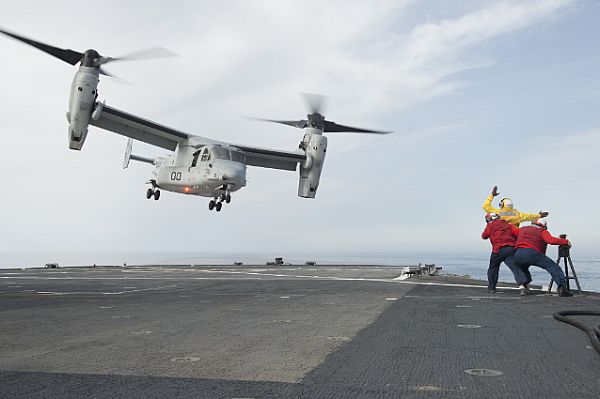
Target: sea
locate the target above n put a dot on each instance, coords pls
(461, 264)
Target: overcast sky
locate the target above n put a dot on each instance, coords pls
(478, 93)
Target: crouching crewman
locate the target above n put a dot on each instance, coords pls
(531, 251)
(502, 235)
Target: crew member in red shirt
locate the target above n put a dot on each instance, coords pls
(503, 236)
(531, 251)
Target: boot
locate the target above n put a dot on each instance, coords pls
(526, 291)
(563, 291)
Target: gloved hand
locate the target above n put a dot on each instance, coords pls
(570, 245)
(495, 191)
(543, 214)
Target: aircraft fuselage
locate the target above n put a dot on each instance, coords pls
(208, 171)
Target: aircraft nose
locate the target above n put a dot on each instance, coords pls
(234, 174)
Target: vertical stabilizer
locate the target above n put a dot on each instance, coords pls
(127, 153)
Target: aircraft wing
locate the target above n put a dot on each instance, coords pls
(141, 129)
(274, 159)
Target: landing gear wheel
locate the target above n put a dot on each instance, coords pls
(211, 205)
(228, 198)
(156, 195)
(218, 206)
(223, 197)
(149, 193)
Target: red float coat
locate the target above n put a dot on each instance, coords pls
(535, 237)
(501, 234)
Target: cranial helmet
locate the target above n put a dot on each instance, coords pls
(506, 203)
(489, 217)
(540, 223)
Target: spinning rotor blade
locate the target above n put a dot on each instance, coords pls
(150, 53)
(115, 77)
(104, 72)
(329, 127)
(317, 121)
(332, 127)
(91, 58)
(301, 124)
(69, 56)
(315, 102)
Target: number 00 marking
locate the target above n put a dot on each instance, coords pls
(175, 175)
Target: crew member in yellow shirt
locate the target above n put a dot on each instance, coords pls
(508, 212)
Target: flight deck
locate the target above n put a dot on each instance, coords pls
(284, 332)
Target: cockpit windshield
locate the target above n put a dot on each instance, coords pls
(220, 153)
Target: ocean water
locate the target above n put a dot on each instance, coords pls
(474, 265)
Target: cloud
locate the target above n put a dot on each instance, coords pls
(436, 41)
(368, 61)
(572, 156)
(398, 69)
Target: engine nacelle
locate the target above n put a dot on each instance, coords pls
(315, 146)
(84, 91)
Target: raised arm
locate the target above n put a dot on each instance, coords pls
(487, 205)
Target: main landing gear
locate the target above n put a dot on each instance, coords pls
(151, 192)
(217, 202)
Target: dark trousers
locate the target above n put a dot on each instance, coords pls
(526, 257)
(506, 255)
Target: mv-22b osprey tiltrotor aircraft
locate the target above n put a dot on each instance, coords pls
(198, 165)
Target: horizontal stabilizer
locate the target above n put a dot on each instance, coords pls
(142, 159)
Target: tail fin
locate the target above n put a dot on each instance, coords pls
(129, 156)
(127, 153)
